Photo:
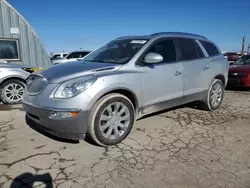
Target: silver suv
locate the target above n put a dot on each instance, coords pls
(123, 80)
(12, 82)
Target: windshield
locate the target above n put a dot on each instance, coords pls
(244, 60)
(116, 51)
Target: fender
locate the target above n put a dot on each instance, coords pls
(110, 89)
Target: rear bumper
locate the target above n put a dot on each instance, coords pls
(73, 128)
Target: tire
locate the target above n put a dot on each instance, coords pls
(99, 135)
(6, 89)
(207, 104)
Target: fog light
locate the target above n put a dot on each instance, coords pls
(62, 115)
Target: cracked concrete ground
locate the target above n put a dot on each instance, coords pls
(180, 148)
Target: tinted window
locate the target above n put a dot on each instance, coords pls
(117, 51)
(84, 53)
(244, 60)
(189, 49)
(9, 49)
(199, 51)
(75, 55)
(166, 48)
(210, 48)
(56, 56)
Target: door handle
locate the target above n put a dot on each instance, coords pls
(177, 73)
(205, 68)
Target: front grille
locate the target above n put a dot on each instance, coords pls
(35, 84)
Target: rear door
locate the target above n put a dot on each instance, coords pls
(196, 68)
(162, 81)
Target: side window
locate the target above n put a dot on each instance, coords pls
(84, 53)
(9, 49)
(189, 49)
(210, 48)
(74, 55)
(199, 50)
(78, 55)
(56, 56)
(70, 56)
(166, 48)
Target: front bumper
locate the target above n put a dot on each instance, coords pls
(73, 128)
(237, 82)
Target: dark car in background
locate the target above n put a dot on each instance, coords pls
(239, 72)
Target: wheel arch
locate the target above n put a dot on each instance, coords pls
(123, 91)
(222, 78)
(12, 78)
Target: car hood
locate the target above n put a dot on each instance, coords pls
(239, 68)
(66, 71)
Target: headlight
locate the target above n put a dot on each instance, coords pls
(73, 87)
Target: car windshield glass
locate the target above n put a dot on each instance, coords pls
(116, 51)
(244, 60)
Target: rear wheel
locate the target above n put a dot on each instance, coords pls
(111, 120)
(12, 91)
(214, 97)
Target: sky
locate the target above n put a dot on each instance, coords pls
(67, 25)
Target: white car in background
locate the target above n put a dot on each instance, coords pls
(72, 56)
(58, 56)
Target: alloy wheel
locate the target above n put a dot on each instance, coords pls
(13, 92)
(114, 120)
(216, 95)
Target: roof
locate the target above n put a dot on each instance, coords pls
(180, 34)
(80, 51)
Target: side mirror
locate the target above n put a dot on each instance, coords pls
(153, 58)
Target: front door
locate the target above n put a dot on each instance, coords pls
(162, 82)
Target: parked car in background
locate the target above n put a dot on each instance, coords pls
(239, 72)
(232, 56)
(73, 56)
(122, 81)
(12, 82)
(58, 56)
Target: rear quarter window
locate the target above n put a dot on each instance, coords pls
(210, 48)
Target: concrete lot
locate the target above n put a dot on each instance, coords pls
(180, 148)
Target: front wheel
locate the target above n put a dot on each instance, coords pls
(12, 91)
(111, 119)
(214, 97)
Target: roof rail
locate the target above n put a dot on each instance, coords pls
(133, 36)
(124, 37)
(177, 33)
